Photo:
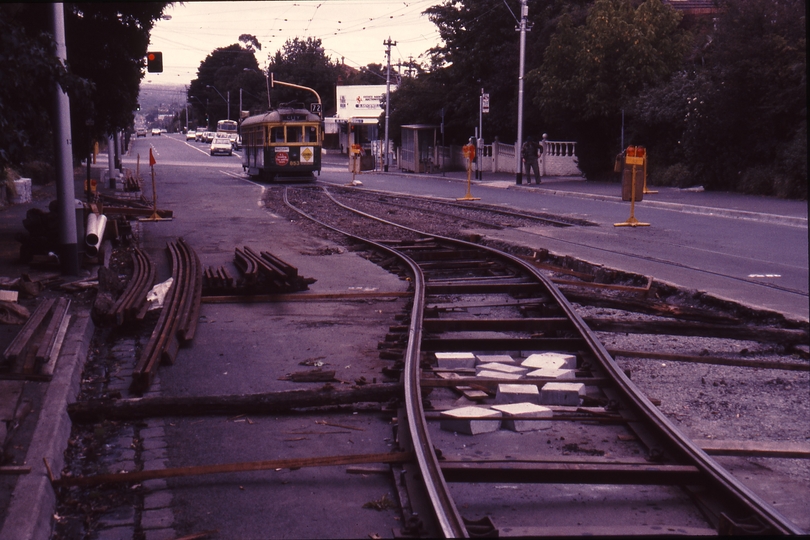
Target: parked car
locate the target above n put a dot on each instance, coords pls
(221, 144)
(140, 132)
(155, 131)
(191, 135)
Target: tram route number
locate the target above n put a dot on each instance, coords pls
(315, 108)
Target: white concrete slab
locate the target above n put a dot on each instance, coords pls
(550, 373)
(550, 360)
(471, 420)
(495, 358)
(562, 393)
(505, 368)
(455, 360)
(517, 393)
(514, 411)
(489, 374)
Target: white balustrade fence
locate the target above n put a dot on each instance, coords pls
(559, 158)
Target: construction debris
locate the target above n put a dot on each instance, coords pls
(36, 344)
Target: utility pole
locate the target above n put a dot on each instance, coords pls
(388, 45)
(524, 15)
(65, 189)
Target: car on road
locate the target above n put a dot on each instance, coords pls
(191, 135)
(140, 132)
(236, 140)
(200, 136)
(155, 131)
(221, 144)
(209, 136)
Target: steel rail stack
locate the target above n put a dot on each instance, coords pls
(177, 322)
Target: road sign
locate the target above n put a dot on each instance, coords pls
(485, 103)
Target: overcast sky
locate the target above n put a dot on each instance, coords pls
(350, 30)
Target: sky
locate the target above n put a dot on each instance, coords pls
(352, 31)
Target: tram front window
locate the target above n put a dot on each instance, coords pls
(277, 134)
(311, 134)
(294, 134)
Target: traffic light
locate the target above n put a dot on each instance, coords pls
(154, 62)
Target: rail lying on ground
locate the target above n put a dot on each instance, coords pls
(518, 311)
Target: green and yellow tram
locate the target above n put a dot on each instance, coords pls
(283, 144)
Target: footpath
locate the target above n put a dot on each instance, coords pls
(34, 425)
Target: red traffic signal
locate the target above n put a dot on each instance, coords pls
(154, 62)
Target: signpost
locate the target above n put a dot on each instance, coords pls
(634, 157)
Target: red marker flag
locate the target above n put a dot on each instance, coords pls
(151, 158)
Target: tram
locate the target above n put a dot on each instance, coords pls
(283, 144)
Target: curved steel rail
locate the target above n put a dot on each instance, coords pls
(445, 510)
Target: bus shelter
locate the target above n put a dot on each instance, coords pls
(418, 150)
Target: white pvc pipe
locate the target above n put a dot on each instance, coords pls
(96, 223)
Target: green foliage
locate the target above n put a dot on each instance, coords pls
(738, 118)
(304, 63)
(591, 70)
(225, 71)
(29, 72)
(106, 45)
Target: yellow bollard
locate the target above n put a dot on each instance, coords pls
(469, 157)
(645, 190)
(634, 157)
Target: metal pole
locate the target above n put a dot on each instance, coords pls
(65, 185)
(479, 174)
(229, 103)
(111, 160)
(387, 97)
(524, 14)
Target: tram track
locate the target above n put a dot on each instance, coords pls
(448, 272)
(604, 450)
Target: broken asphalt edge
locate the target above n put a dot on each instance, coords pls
(33, 503)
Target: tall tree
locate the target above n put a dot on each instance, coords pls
(106, 46)
(591, 71)
(736, 119)
(303, 62)
(221, 76)
(27, 57)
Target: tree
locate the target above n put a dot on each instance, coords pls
(223, 73)
(481, 50)
(26, 57)
(304, 63)
(106, 44)
(737, 118)
(591, 71)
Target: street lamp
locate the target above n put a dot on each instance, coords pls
(206, 108)
(227, 101)
(267, 83)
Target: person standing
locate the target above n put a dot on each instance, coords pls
(529, 155)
